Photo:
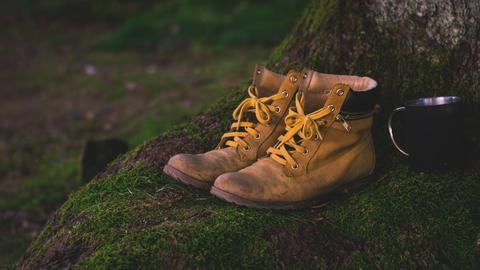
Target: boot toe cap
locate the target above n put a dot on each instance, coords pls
(240, 184)
(261, 182)
(190, 165)
(180, 162)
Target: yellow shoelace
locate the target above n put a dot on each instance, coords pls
(261, 107)
(306, 126)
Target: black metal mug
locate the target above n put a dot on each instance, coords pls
(434, 132)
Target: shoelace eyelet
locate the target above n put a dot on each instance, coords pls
(246, 148)
(316, 137)
(278, 109)
(305, 151)
(295, 166)
(285, 93)
(257, 137)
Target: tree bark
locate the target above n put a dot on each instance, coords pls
(412, 48)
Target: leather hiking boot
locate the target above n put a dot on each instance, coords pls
(258, 123)
(327, 146)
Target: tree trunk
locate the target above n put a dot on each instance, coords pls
(131, 216)
(412, 48)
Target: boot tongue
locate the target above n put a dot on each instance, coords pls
(266, 82)
(313, 101)
(317, 86)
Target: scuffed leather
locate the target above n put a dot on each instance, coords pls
(342, 158)
(208, 166)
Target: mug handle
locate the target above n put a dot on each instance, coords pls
(390, 130)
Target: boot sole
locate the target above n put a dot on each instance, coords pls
(335, 194)
(186, 179)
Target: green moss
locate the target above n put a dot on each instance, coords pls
(409, 216)
(199, 225)
(405, 219)
(138, 218)
(311, 30)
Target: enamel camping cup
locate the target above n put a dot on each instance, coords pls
(433, 128)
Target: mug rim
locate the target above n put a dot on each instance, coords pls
(433, 101)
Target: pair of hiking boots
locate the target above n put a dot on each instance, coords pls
(296, 139)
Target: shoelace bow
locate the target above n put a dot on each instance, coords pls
(262, 111)
(306, 126)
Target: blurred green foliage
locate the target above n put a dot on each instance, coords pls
(217, 23)
(148, 24)
(46, 188)
(178, 55)
(77, 11)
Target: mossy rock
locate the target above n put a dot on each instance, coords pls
(133, 216)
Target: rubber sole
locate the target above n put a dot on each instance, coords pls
(186, 179)
(238, 200)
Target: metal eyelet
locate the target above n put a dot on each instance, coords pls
(295, 166)
(278, 109)
(331, 107)
(257, 137)
(305, 151)
(305, 75)
(340, 92)
(285, 93)
(259, 71)
(246, 148)
(316, 137)
(293, 79)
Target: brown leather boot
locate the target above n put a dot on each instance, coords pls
(258, 123)
(325, 147)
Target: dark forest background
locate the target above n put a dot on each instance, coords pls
(159, 78)
(74, 70)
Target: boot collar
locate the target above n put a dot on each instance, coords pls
(266, 81)
(317, 86)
